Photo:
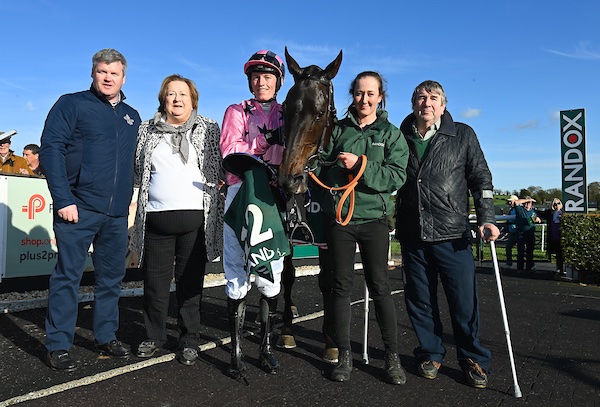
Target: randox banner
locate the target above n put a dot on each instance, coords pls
(573, 161)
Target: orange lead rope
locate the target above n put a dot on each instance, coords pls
(348, 191)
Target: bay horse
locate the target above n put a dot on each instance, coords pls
(309, 117)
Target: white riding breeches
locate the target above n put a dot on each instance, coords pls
(238, 280)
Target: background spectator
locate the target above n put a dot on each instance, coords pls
(526, 218)
(552, 217)
(11, 163)
(31, 153)
(512, 234)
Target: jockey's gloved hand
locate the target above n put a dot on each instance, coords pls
(275, 136)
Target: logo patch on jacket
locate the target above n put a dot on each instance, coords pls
(129, 120)
(378, 144)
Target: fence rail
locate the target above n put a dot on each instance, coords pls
(478, 245)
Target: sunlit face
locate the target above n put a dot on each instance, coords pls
(264, 85)
(32, 159)
(428, 107)
(108, 79)
(4, 147)
(178, 103)
(366, 98)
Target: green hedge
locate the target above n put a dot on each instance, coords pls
(580, 236)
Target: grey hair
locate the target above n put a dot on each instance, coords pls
(109, 55)
(430, 87)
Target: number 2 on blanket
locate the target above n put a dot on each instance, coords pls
(256, 236)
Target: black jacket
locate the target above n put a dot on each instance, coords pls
(433, 204)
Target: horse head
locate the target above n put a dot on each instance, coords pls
(309, 115)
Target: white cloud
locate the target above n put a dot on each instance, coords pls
(581, 51)
(530, 124)
(470, 113)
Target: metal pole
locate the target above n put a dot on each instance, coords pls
(517, 389)
(366, 327)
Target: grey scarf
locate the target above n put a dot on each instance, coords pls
(177, 135)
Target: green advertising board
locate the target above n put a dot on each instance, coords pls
(27, 241)
(573, 161)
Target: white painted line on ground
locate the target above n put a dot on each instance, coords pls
(98, 377)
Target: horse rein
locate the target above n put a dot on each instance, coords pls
(348, 191)
(315, 161)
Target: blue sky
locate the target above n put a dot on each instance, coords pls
(507, 67)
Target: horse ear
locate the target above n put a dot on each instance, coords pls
(293, 66)
(332, 69)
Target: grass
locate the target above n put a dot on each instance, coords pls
(538, 254)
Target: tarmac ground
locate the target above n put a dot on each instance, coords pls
(554, 329)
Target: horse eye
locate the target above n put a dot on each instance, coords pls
(320, 115)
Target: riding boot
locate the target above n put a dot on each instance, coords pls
(266, 358)
(236, 310)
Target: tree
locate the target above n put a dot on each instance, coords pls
(594, 192)
(554, 193)
(523, 193)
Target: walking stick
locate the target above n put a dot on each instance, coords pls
(366, 326)
(517, 389)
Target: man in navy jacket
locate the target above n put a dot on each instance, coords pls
(87, 151)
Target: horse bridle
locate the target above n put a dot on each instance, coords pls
(295, 221)
(315, 160)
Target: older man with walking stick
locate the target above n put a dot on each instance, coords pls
(444, 165)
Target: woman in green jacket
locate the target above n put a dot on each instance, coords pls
(366, 146)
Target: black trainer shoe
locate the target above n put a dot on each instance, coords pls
(147, 349)
(428, 369)
(394, 374)
(476, 376)
(61, 360)
(113, 348)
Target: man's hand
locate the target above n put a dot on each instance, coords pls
(69, 213)
(489, 232)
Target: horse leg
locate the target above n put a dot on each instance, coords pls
(330, 354)
(288, 276)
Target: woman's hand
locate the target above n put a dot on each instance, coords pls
(348, 160)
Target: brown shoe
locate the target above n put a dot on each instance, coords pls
(476, 376)
(428, 369)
